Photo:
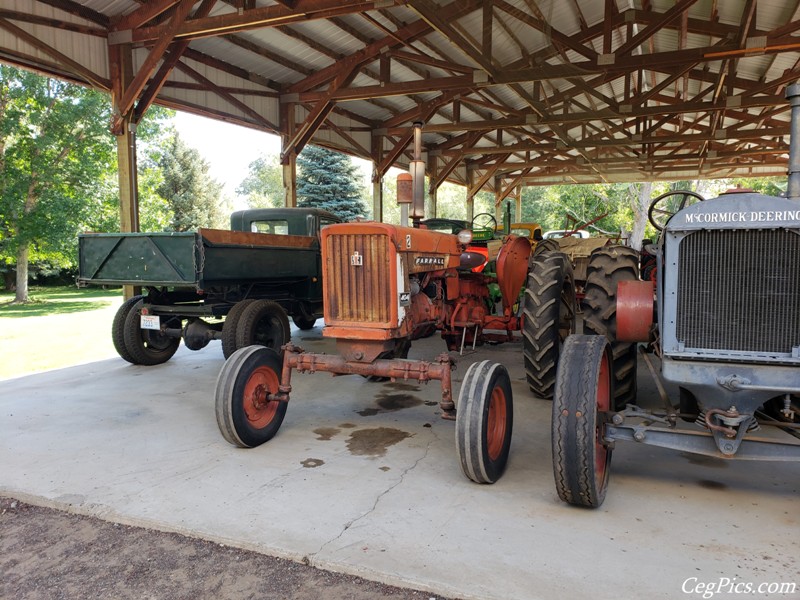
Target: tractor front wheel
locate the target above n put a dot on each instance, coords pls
(244, 415)
(581, 459)
(484, 419)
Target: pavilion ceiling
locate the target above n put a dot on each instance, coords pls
(511, 92)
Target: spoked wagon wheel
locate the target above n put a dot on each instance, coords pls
(484, 419)
(146, 346)
(244, 415)
(581, 460)
(263, 323)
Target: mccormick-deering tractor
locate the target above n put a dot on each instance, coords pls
(382, 283)
(727, 333)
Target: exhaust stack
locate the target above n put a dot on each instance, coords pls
(793, 189)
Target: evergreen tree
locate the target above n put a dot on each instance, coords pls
(328, 180)
(193, 196)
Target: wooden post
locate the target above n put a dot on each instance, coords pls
(470, 194)
(121, 70)
(377, 178)
(377, 197)
(518, 212)
(288, 158)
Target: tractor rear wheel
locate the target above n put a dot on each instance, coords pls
(230, 325)
(244, 416)
(263, 323)
(146, 346)
(484, 419)
(581, 460)
(118, 328)
(549, 317)
(607, 267)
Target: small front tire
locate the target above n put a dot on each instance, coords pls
(244, 417)
(484, 420)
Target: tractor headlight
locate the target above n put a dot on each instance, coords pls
(464, 236)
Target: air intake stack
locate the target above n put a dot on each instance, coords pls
(793, 189)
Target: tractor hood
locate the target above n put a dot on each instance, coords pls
(738, 211)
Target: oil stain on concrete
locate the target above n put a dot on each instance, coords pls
(326, 433)
(402, 386)
(374, 442)
(391, 402)
(312, 463)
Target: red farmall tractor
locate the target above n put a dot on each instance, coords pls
(382, 284)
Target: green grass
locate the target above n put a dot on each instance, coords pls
(61, 327)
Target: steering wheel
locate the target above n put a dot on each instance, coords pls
(484, 221)
(667, 204)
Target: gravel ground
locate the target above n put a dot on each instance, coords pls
(50, 554)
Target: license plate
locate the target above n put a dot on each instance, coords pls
(151, 322)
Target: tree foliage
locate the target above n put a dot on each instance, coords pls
(329, 180)
(192, 195)
(54, 148)
(263, 185)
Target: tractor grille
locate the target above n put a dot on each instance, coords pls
(359, 294)
(739, 290)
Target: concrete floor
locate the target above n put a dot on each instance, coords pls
(363, 478)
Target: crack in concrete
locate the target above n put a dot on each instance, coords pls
(309, 558)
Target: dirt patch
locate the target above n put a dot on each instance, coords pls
(45, 553)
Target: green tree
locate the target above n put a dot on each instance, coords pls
(54, 148)
(192, 195)
(329, 180)
(263, 185)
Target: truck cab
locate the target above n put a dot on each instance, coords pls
(283, 221)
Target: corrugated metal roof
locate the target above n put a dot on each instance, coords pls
(551, 91)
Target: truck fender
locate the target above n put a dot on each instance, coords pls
(635, 303)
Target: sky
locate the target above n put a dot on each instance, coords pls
(229, 149)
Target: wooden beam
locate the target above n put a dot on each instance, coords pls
(257, 18)
(176, 50)
(227, 96)
(140, 80)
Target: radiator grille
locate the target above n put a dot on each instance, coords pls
(359, 294)
(739, 290)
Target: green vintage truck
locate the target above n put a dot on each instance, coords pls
(238, 286)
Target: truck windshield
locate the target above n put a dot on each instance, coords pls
(277, 227)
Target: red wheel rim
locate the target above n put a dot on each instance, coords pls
(496, 423)
(603, 405)
(259, 412)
